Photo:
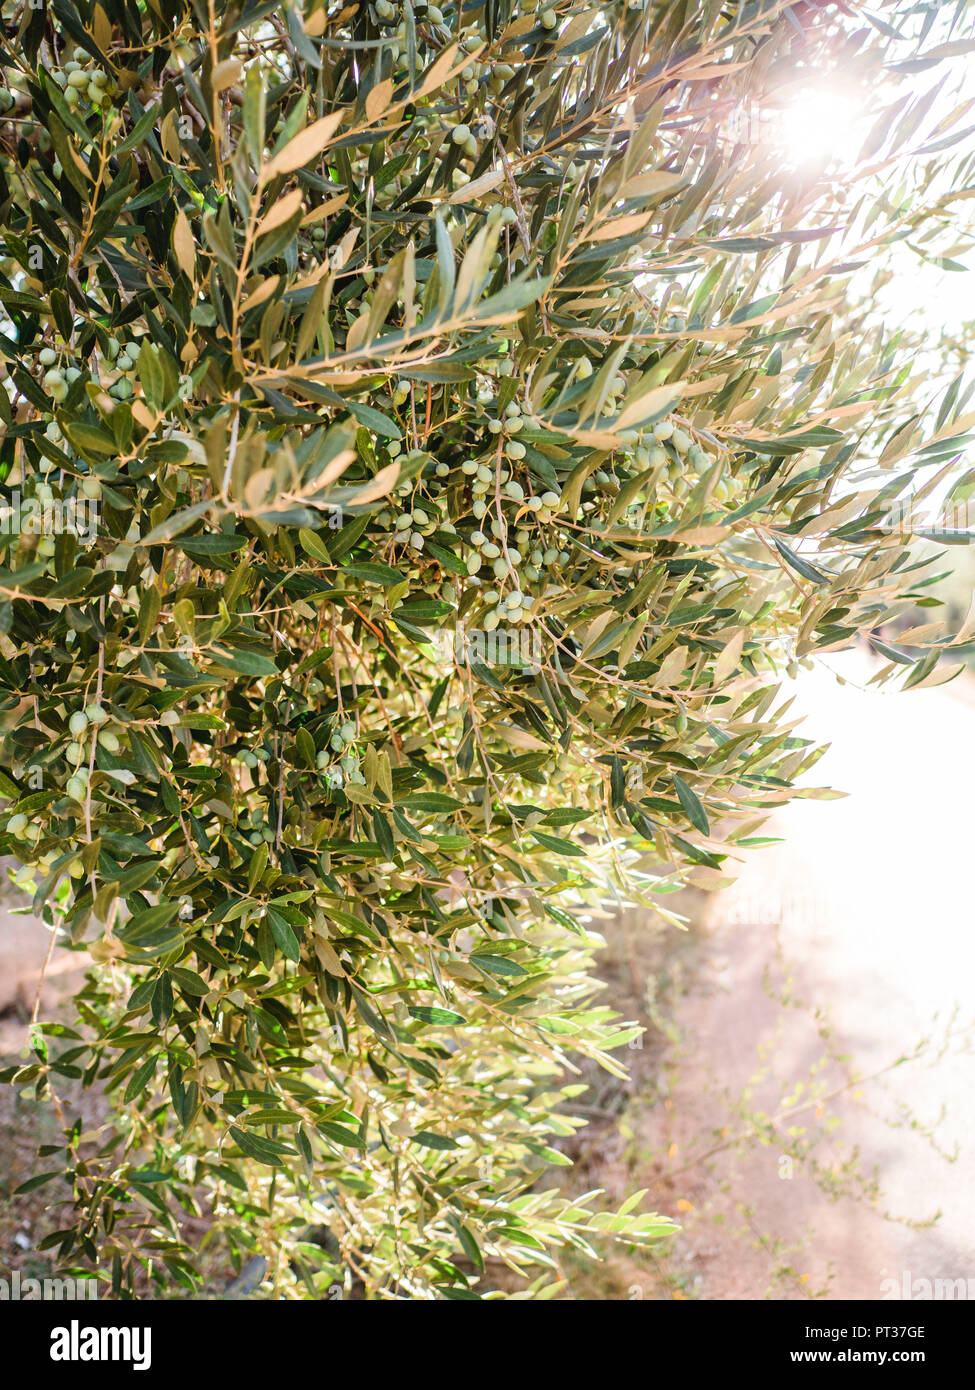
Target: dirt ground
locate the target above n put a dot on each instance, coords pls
(23, 947)
(24, 1124)
(837, 952)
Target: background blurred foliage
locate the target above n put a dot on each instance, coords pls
(476, 419)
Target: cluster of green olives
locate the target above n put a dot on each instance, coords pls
(254, 826)
(513, 549)
(118, 365)
(123, 356)
(27, 833)
(57, 380)
(337, 761)
(82, 80)
(471, 37)
(514, 537)
(84, 725)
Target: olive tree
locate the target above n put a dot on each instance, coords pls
(430, 431)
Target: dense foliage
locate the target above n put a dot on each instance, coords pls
(443, 423)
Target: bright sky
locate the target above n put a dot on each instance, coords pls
(820, 127)
(828, 124)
